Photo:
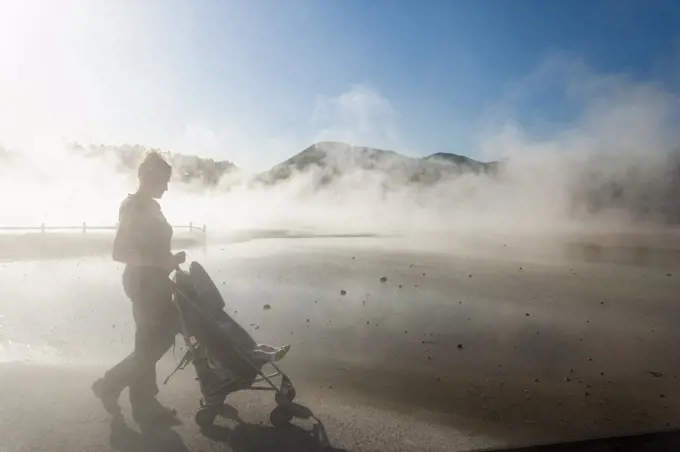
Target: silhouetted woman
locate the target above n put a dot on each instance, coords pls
(143, 244)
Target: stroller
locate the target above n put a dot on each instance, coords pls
(219, 349)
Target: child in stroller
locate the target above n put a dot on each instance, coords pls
(224, 355)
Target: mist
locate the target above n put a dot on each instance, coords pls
(614, 167)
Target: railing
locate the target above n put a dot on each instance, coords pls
(84, 228)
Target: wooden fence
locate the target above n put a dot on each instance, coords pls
(84, 228)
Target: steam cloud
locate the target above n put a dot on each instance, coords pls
(614, 166)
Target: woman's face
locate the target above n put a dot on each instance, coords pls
(157, 185)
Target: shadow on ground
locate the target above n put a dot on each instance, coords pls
(243, 437)
(159, 439)
(246, 437)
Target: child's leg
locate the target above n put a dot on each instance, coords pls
(267, 348)
(269, 353)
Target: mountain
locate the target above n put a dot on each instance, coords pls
(334, 159)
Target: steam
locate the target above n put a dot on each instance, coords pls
(608, 168)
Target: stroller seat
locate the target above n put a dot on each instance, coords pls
(220, 349)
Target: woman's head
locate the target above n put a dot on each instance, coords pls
(154, 175)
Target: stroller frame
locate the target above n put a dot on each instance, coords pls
(213, 399)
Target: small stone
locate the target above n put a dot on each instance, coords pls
(668, 274)
(527, 314)
(536, 380)
(405, 331)
(460, 346)
(520, 268)
(368, 322)
(343, 292)
(429, 358)
(307, 320)
(590, 359)
(587, 394)
(601, 302)
(383, 279)
(257, 327)
(424, 274)
(567, 379)
(656, 374)
(266, 307)
(470, 275)
(400, 286)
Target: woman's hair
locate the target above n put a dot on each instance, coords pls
(153, 166)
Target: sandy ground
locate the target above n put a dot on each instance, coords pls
(454, 351)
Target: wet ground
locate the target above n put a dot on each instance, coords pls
(396, 344)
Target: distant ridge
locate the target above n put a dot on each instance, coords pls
(335, 159)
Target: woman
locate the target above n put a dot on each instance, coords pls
(143, 244)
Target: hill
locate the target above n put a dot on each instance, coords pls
(334, 159)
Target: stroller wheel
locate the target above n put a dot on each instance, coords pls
(205, 416)
(280, 416)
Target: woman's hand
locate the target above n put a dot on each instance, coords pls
(180, 257)
(174, 260)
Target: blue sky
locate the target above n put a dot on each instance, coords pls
(256, 81)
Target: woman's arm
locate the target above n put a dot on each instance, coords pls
(135, 241)
(131, 242)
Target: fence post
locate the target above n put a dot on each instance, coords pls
(84, 227)
(42, 228)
